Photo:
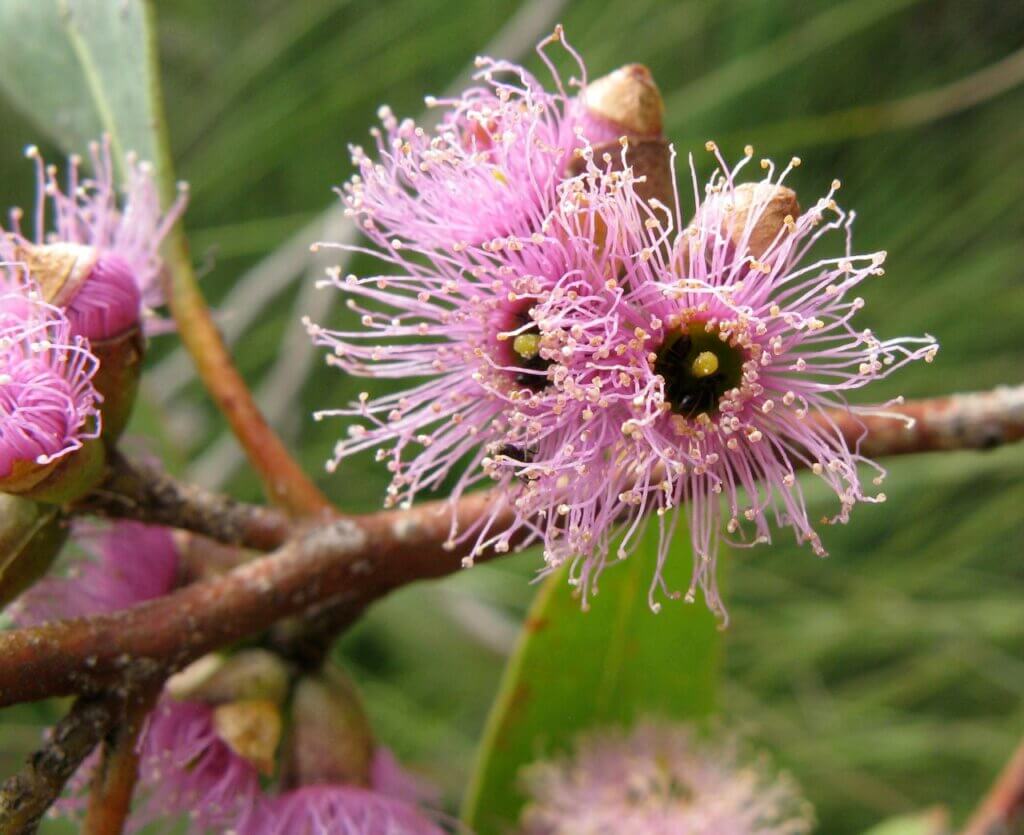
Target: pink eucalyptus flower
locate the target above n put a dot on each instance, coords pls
(709, 374)
(187, 768)
(98, 257)
(48, 405)
(659, 779)
(489, 169)
(596, 357)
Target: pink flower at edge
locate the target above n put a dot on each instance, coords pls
(48, 406)
(113, 240)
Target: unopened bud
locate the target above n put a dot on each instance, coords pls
(252, 729)
(331, 740)
(31, 535)
(626, 102)
(98, 292)
(763, 207)
(650, 161)
(249, 674)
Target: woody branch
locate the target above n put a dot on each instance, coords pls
(351, 562)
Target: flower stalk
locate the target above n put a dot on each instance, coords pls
(285, 483)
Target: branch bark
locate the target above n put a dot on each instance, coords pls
(144, 493)
(346, 564)
(25, 797)
(113, 782)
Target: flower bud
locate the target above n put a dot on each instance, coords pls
(246, 674)
(98, 292)
(331, 740)
(626, 102)
(252, 729)
(650, 160)
(48, 404)
(101, 300)
(757, 211)
(30, 538)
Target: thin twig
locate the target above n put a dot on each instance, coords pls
(144, 493)
(25, 797)
(351, 562)
(113, 782)
(285, 482)
(1003, 807)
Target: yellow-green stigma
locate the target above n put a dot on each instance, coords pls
(526, 345)
(526, 354)
(705, 365)
(698, 368)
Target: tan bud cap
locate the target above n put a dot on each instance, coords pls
(629, 98)
(774, 203)
(247, 674)
(252, 729)
(59, 269)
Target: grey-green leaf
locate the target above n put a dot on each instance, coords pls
(574, 670)
(82, 68)
(932, 822)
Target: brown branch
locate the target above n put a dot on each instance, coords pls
(344, 565)
(144, 493)
(139, 491)
(113, 782)
(342, 562)
(1003, 807)
(25, 797)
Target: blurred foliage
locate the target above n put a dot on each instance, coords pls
(888, 678)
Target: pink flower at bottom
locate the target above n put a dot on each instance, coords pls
(659, 779)
(186, 768)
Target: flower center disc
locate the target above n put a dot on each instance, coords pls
(698, 368)
(525, 353)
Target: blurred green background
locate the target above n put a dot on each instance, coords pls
(888, 678)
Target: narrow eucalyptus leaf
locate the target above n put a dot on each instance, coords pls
(81, 68)
(573, 670)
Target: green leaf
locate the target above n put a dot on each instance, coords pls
(84, 68)
(30, 536)
(573, 670)
(932, 822)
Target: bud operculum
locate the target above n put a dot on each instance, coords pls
(252, 729)
(770, 205)
(330, 740)
(629, 102)
(627, 105)
(246, 674)
(98, 291)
